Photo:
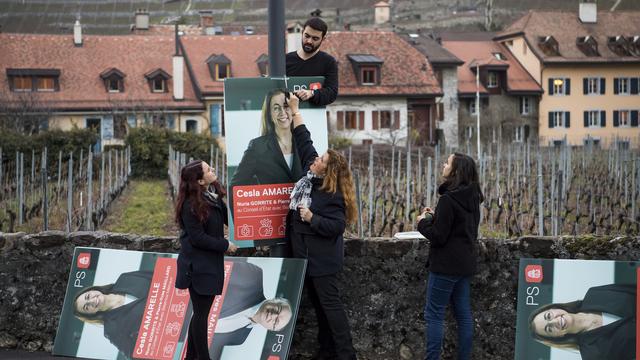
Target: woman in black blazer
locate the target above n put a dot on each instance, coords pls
(322, 203)
(201, 214)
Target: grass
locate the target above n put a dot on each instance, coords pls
(145, 208)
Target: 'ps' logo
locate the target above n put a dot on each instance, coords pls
(315, 86)
(533, 273)
(84, 260)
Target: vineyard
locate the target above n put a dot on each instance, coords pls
(64, 191)
(529, 190)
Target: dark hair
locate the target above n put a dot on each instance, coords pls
(267, 120)
(192, 191)
(98, 316)
(316, 24)
(463, 173)
(565, 341)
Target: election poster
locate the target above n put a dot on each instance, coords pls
(262, 160)
(577, 309)
(123, 304)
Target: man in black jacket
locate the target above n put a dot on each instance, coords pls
(310, 61)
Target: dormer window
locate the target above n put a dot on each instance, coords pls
(548, 45)
(367, 68)
(158, 80)
(219, 67)
(634, 45)
(618, 45)
(588, 45)
(113, 80)
(26, 80)
(492, 79)
(263, 64)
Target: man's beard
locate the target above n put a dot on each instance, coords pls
(309, 49)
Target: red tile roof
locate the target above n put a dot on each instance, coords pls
(405, 70)
(243, 51)
(482, 52)
(81, 87)
(566, 27)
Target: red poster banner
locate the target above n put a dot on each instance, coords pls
(164, 314)
(260, 211)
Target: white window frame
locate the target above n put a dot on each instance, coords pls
(627, 120)
(593, 86)
(518, 134)
(593, 118)
(558, 119)
(525, 105)
(473, 108)
(559, 89)
(468, 132)
(160, 81)
(626, 88)
(492, 79)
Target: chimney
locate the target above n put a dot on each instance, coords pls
(77, 34)
(294, 37)
(588, 12)
(142, 19)
(178, 71)
(382, 12)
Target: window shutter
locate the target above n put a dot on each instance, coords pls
(616, 83)
(616, 118)
(361, 120)
(603, 85)
(340, 120)
(550, 86)
(603, 118)
(634, 86)
(441, 112)
(567, 86)
(586, 119)
(550, 119)
(634, 118)
(521, 105)
(567, 119)
(328, 121)
(526, 132)
(376, 120)
(585, 86)
(396, 119)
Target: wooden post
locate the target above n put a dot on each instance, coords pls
(70, 192)
(371, 185)
(45, 185)
(88, 220)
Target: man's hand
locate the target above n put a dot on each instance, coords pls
(304, 95)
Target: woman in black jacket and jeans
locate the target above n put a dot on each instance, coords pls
(201, 214)
(453, 234)
(322, 203)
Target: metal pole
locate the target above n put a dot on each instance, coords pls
(276, 38)
(69, 192)
(540, 208)
(371, 185)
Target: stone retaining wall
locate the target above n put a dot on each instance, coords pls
(383, 287)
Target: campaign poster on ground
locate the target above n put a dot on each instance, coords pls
(122, 304)
(577, 309)
(263, 164)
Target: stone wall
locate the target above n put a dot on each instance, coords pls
(383, 288)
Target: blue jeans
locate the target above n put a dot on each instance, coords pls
(441, 290)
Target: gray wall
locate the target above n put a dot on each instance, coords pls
(383, 289)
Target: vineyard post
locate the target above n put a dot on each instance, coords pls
(407, 208)
(59, 169)
(21, 191)
(102, 181)
(89, 222)
(540, 193)
(45, 184)
(429, 181)
(69, 191)
(371, 184)
(359, 201)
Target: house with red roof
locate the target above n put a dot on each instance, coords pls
(588, 63)
(509, 95)
(109, 83)
(387, 90)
